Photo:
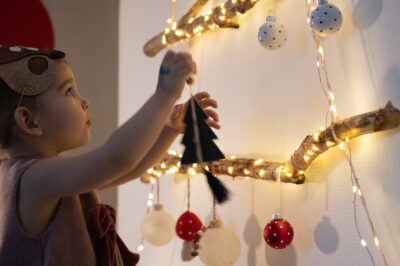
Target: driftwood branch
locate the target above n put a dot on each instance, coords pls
(190, 26)
(291, 171)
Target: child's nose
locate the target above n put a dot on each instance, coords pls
(86, 104)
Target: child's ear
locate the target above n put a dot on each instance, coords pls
(25, 120)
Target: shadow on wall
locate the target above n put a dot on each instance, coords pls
(326, 236)
(253, 237)
(280, 257)
(366, 13)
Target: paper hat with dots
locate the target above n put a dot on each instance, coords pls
(28, 71)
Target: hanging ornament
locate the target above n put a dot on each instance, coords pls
(158, 226)
(218, 245)
(199, 147)
(278, 233)
(187, 225)
(326, 19)
(272, 35)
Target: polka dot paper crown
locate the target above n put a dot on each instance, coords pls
(28, 71)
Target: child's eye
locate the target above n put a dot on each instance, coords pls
(69, 92)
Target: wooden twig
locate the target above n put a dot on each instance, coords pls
(291, 171)
(189, 26)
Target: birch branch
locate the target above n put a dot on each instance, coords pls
(189, 26)
(291, 171)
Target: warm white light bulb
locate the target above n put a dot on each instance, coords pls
(331, 96)
(230, 170)
(151, 196)
(174, 26)
(163, 40)
(341, 145)
(192, 171)
(329, 143)
(140, 248)
(354, 189)
(363, 243)
(316, 136)
(321, 51)
(376, 240)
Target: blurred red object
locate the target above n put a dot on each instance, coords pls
(25, 23)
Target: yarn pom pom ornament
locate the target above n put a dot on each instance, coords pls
(272, 35)
(218, 246)
(326, 19)
(187, 225)
(278, 233)
(157, 227)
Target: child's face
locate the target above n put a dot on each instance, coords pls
(65, 119)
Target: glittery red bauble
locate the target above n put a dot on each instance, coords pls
(278, 233)
(187, 225)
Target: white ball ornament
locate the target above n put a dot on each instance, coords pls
(219, 246)
(326, 19)
(272, 35)
(158, 226)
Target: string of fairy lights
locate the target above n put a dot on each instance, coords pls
(209, 20)
(344, 144)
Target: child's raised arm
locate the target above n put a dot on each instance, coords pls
(57, 177)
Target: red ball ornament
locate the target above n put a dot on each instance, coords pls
(278, 233)
(187, 225)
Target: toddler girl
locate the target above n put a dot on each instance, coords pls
(50, 210)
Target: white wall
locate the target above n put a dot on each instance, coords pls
(87, 32)
(269, 101)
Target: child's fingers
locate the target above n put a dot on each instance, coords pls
(212, 114)
(208, 102)
(178, 110)
(184, 60)
(213, 124)
(201, 95)
(169, 55)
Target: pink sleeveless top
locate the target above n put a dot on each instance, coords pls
(81, 231)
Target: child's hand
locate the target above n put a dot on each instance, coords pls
(176, 116)
(174, 71)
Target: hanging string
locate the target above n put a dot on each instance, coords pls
(214, 209)
(280, 194)
(188, 193)
(158, 190)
